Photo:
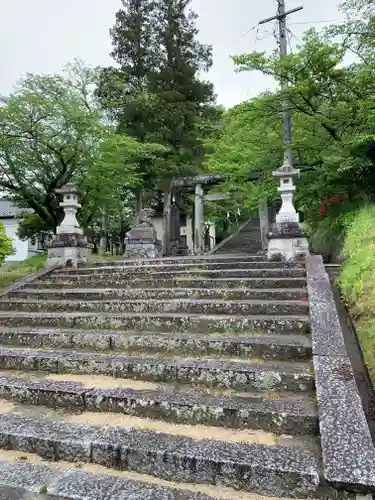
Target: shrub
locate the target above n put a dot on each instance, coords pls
(6, 244)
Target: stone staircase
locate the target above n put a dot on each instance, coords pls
(244, 241)
(177, 379)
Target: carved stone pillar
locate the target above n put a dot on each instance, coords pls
(199, 220)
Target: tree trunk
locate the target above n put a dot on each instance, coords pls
(103, 233)
(139, 203)
(122, 238)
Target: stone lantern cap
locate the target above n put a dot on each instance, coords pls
(68, 188)
(70, 199)
(286, 171)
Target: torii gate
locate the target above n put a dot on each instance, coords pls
(199, 182)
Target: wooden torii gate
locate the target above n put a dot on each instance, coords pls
(172, 225)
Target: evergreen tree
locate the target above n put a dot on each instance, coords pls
(133, 40)
(124, 90)
(157, 95)
(183, 97)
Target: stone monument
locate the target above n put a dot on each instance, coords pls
(141, 241)
(69, 247)
(286, 239)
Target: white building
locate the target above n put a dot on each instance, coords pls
(9, 217)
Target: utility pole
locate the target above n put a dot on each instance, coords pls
(281, 16)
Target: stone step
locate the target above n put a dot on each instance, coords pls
(159, 293)
(244, 376)
(25, 480)
(176, 260)
(281, 414)
(292, 272)
(199, 306)
(166, 322)
(251, 243)
(249, 467)
(176, 267)
(218, 283)
(268, 347)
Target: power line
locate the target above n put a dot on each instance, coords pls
(289, 39)
(317, 22)
(250, 30)
(294, 36)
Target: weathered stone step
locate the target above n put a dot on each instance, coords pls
(177, 260)
(264, 376)
(218, 283)
(23, 480)
(248, 467)
(167, 322)
(281, 347)
(176, 267)
(287, 415)
(199, 306)
(159, 293)
(293, 272)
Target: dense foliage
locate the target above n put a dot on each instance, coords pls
(156, 94)
(333, 124)
(6, 244)
(52, 131)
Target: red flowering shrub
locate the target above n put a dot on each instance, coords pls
(332, 200)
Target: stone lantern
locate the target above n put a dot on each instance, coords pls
(286, 176)
(68, 247)
(286, 240)
(70, 205)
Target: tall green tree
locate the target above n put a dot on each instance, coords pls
(156, 94)
(48, 135)
(52, 131)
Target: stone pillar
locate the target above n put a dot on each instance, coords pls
(141, 240)
(264, 222)
(212, 234)
(175, 231)
(167, 222)
(199, 220)
(68, 247)
(287, 241)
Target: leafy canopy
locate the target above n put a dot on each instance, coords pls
(333, 123)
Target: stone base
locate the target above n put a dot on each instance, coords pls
(142, 233)
(68, 250)
(177, 249)
(142, 249)
(287, 242)
(183, 250)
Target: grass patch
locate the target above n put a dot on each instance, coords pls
(14, 272)
(357, 280)
(106, 258)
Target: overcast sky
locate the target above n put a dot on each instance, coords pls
(40, 36)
